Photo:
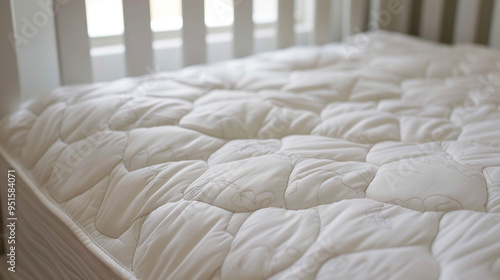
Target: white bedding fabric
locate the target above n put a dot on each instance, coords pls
(46, 247)
(378, 158)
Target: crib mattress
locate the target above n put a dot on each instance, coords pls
(377, 158)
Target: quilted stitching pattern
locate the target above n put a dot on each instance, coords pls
(378, 158)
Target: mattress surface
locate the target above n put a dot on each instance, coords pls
(378, 158)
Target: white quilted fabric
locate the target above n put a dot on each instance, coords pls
(378, 158)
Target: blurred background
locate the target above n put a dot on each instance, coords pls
(105, 29)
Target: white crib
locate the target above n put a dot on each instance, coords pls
(46, 45)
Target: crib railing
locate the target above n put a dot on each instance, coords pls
(451, 21)
(74, 47)
(418, 17)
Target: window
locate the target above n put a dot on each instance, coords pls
(166, 15)
(219, 13)
(106, 27)
(265, 11)
(104, 17)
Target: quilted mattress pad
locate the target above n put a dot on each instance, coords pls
(377, 158)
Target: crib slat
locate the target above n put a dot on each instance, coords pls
(138, 37)
(432, 19)
(495, 26)
(322, 22)
(416, 11)
(9, 80)
(37, 57)
(73, 43)
(391, 15)
(286, 23)
(466, 21)
(243, 41)
(336, 20)
(401, 15)
(194, 32)
(377, 16)
(355, 16)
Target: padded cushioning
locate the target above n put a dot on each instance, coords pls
(378, 158)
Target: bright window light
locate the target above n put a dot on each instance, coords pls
(265, 11)
(301, 10)
(219, 13)
(166, 15)
(104, 17)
